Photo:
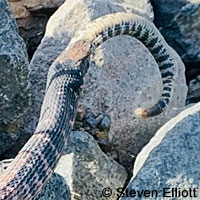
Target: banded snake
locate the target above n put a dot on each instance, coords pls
(36, 161)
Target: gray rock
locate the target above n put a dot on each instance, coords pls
(116, 87)
(105, 123)
(87, 170)
(193, 91)
(92, 122)
(198, 77)
(32, 17)
(179, 22)
(193, 85)
(112, 85)
(56, 187)
(13, 78)
(166, 10)
(171, 159)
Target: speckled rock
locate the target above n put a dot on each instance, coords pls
(166, 10)
(56, 188)
(113, 85)
(171, 159)
(179, 22)
(92, 122)
(105, 123)
(87, 170)
(13, 78)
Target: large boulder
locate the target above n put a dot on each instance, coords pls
(87, 170)
(169, 163)
(113, 85)
(13, 78)
(116, 87)
(179, 23)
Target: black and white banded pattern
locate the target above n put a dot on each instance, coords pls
(116, 24)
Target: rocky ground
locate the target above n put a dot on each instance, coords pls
(179, 22)
(106, 138)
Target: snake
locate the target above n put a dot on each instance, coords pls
(36, 161)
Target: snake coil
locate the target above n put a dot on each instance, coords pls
(35, 163)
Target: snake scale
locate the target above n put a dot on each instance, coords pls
(36, 161)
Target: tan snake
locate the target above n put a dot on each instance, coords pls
(36, 161)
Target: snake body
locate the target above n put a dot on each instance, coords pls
(36, 161)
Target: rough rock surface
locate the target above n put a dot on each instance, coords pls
(194, 90)
(171, 159)
(32, 16)
(166, 10)
(87, 170)
(113, 85)
(179, 22)
(13, 81)
(22, 8)
(56, 188)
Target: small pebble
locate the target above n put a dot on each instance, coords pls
(99, 118)
(92, 122)
(101, 135)
(80, 114)
(105, 123)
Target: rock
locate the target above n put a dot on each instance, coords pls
(194, 91)
(194, 85)
(166, 10)
(105, 123)
(92, 122)
(80, 115)
(99, 118)
(87, 170)
(171, 159)
(56, 187)
(32, 17)
(30, 5)
(112, 85)
(13, 78)
(143, 7)
(179, 23)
